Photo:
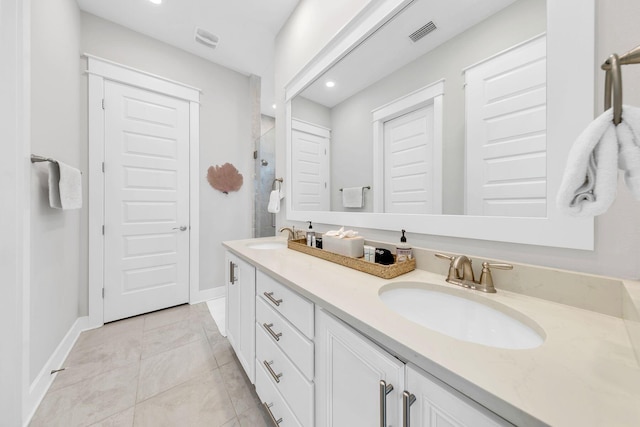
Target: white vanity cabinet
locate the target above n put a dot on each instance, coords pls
(284, 353)
(355, 379)
(359, 384)
(241, 310)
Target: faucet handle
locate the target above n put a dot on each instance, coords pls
(443, 256)
(486, 279)
(452, 270)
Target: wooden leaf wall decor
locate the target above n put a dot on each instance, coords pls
(224, 178)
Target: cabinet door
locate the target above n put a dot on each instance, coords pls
(349, 369)
(437, 405)
(241, 311)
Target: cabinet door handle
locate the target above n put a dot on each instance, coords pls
(270, 297)
(268, 406)
(232, 273)
(385, 389)
(275, 376)
(408, 399)
(268, 326)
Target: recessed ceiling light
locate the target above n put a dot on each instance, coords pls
(274, 106)
(330, 83)
(156, 1)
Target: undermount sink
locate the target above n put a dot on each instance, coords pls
(461, 318)
(268, 245)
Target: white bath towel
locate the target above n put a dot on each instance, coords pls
(629, 148)
(353, 197)
(65, 186)
(274, 202)
(589, 183)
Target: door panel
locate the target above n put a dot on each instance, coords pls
(310, 167)
(408, 166)
(146, 201)
(506, 162)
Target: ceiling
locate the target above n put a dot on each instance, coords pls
(246, 30)
(390, 48)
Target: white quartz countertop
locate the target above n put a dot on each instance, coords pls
(584, 374)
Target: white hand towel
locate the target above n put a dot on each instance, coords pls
(353, 197)
(54, 185)
(590, 179)
(70, 187)
(274, 202)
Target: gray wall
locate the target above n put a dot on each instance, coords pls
(617, 232)
(225, 129)
(351, 154)
(58, 246)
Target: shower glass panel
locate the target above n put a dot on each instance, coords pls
(265, 176)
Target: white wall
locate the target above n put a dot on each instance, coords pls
(225, 129)
(617, 246)
(14, 165)
(58, 265)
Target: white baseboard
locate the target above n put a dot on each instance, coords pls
(43, 381)
(208, 294)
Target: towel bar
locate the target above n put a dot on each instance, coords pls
(368, 187)
(36, 159)
(274, 186)
(613, 80)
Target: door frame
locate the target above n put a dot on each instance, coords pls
(99, 70)
(427, 95)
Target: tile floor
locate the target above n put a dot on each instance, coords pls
(167, 368)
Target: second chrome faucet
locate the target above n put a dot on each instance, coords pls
(461, 273)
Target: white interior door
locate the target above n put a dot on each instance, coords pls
(310, 166)
(408, 163)
(146, 235)
(506, 133)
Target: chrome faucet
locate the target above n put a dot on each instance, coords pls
(461, 273)
(292, 232)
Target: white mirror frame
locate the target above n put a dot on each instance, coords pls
(570, 108)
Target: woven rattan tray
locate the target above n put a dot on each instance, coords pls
(384, 271)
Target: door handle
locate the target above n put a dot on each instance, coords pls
(232, 273)
(181, 228)
(385, 389)
(408, 399)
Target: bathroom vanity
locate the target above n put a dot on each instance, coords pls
(329, 351)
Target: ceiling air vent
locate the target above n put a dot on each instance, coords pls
(422, 31)
(206, 38)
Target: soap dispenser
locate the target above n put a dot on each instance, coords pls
(403, 250)
(311, 236)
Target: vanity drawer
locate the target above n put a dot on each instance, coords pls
(287, 379)
(296, 309)
(273, 400)
(295, 345)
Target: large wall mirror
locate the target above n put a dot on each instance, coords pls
(443, 118)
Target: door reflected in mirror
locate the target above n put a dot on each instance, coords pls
(441, 111)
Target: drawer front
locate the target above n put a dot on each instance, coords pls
(295, 345)
(292, 385)
(273, 400)
(295, 308)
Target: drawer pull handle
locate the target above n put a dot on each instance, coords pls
(268, 326)
(275, 376)
(270, 297)
(268, 406)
